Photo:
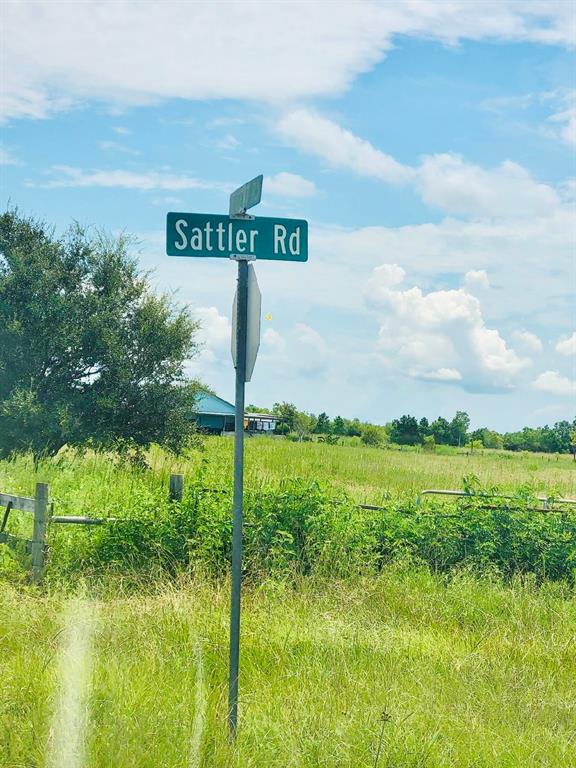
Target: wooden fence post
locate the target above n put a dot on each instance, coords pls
(39, 535)
(176, 487)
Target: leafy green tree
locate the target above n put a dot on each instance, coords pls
(441, 431)
(288, 414)
(404, 431)
(423, 428)
(88, 354)
(256, 409)
(304, 424)
(562, 431)
(428, 443)
(492, 439)
(372, 435)
(338, 426)
(353, 427)
(459, 427)
(323, 424)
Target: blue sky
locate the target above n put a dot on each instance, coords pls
(429, 144)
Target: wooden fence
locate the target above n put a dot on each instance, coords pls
(36, 546)
(43, 510)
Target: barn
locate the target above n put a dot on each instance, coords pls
(213, 414)
(216, 415)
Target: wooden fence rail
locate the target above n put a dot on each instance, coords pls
(43, 511)
(36, 546)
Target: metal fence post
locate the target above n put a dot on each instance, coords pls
(39, 534)
(176, 487)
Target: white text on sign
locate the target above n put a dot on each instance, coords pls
(221, 236)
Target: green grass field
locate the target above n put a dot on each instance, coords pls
(395, 667)
(364, 473)
(465, 673)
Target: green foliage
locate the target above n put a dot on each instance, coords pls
(288, 413)
(404, 431)
(556, 439)
(323, 424)
(372, 435)
(459, 427)
(329, 439)
(296, 526)
(339, 426)
(429, 443)
(88, 354)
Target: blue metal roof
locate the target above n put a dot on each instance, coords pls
(207, 403)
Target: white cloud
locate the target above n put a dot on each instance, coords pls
(445, 181)
(442, 374)
(555, 384)
(225, 122)
(215, 331)
(565, 116)
(286, 184)
(317, 135)
(67, 176)
(214, 338)
(273, 341)
(115, 146)
(476, 278)
(7, 158)
(449, 183)
(228, 143)
(440, 335)
(57, 54)
(567, 346)
(302, 351)
(528, 340)
(511, 250)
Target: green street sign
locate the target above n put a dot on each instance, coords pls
(246, 196)
(208, 234)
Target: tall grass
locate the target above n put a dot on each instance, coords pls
(445, 674)
(294, 525)
(364, 473)
(371, 638)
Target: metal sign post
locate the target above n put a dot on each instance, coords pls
(237, 520)
(243, 238)
(245, 197)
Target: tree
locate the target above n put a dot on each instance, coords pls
(423, 428)
(428, 443)
(304, 424)
(404, 431)
(441, 431)
(492, 439)
(353, 427)
(339, 426)
(562, 436)
(372, 435)
(88, 354)
(288, 414)
(459, 427)
(323, 424)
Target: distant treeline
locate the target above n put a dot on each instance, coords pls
(408, 430)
